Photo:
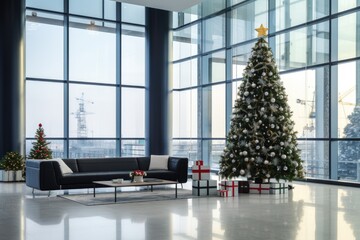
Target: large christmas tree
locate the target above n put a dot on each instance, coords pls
(40, 149)
(261, 142)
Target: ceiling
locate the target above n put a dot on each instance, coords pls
(169, 5)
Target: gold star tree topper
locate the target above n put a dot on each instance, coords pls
(261, 30)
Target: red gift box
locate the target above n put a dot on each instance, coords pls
(261, 188)
(199, 163)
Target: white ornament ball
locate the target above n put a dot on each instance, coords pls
(272, 100)
(267, 175)
(262, 109)
(272, 125)
(245, 153)
(242, 172)
(246, 93)
(285, 168)
(264, 73)
(266, 93)
(283, 156)
(252, 159)
(282, 143)
(266, 162)
(281, 108)
(233, 161)
(231, 155)
(234, 169)
(256, 141)
(235, 136)
(270, 73)
(253, 85)
(257, 147)
(244, 131)
(246, 120)
(246, 159)
(272, 154)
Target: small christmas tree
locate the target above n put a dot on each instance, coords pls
(40, 150)
(261, 142)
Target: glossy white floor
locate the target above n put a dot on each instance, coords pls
(310, 211)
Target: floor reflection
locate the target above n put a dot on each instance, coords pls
(310, 211)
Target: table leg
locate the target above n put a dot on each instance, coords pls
(115, 194)
(175, 190)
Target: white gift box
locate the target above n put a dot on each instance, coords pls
(232, 186)
(200, 172)
(204, 187)
(260, 188)
(279, 188)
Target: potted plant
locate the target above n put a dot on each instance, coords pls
(13, 164)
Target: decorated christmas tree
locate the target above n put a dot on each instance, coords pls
(261, 142)
(350, 150)
(40, 149)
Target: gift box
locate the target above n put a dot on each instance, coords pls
(279, 188)
(223, 193)
(199, 163)
(260, 188)
(204, 187)
(200, 172)
(231, 186)
(243, 186)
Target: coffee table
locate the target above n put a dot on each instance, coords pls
(147, 182)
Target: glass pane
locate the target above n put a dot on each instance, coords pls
(214, 111)
(212, 151)
(186, 42)
(287, 13)
(133, 55)
(290, 46)
(93, 8)
(348, 81)
(56, 146)
(133, 112)
(210, 7)
(245, 18)
(344, 42)
(348, 163)
(92, 111)
(186, 148)
(185, 74)
(44, 45)
(235, 91)
(185, 113)
(240, 57)
(132, 13)
(92, 51)
(133, 148)
(45, 105)
(214, 67)
(315, 155)
(187, 16)
(233, 2)
(339, 6)
(110, 9)
(214, 33)
(53, 5)
(92, 148)
(308, 98)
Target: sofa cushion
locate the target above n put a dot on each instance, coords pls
(107, 164)
(159, 162)
(63, 167)
(89, 177)
(162, 174)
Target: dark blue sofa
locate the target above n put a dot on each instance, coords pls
(46, 174)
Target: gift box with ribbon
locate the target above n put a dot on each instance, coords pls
(200, 172)
(204, 187)
(231, 186)
(279, 188)
(260, 188)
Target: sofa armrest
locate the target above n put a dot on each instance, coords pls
(42, 175)
(180, 166)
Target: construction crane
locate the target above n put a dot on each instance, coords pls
(80, 115)
(312, 113)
